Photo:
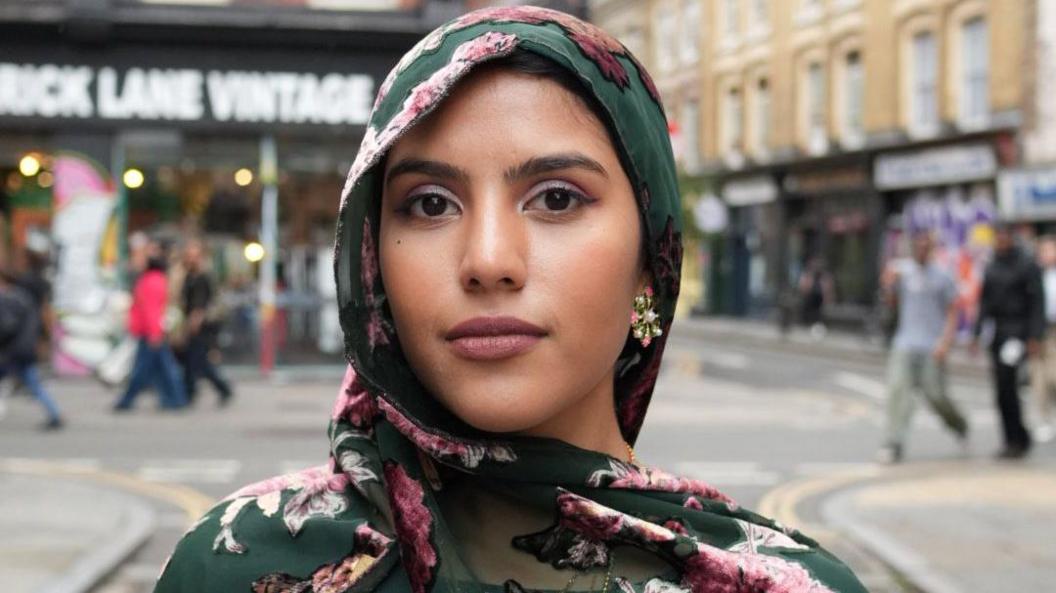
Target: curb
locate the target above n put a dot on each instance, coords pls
(849, 348)
(836, 510)
(90, 569)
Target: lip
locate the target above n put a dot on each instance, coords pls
(493, 338)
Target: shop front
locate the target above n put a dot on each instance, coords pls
(1029, 196)
(948, 191)
(830, 232)
(750, 251)
(179, 131)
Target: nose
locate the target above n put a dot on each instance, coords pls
(494, 247)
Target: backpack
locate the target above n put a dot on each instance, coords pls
(13, 317)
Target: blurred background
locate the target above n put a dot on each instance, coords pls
(814, 138)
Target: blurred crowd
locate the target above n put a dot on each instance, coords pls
(173, 322)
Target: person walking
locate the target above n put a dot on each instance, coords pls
(1043, 369)
(199, 330)
(19, 332)
(925, 296)
(154, 362)
(1012, 299)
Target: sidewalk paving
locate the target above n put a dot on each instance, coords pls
(970, 527)
(63, 535)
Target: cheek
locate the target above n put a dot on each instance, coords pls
(410, 270)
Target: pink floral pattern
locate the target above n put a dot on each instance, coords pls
(414, 524)
(711, 570)
(354, 404)
(469, 454)
(631, 477)
(423, 98)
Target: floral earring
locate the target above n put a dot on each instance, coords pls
(645, 323)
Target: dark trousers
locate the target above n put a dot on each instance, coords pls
(154, 365)
(198, 365)
(1006, 387)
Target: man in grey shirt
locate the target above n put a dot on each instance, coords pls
(925, 296)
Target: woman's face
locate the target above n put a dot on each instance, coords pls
(509, 250)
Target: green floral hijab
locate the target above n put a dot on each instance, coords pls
(369, 520)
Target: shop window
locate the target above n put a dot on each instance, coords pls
(924, 91)
(975, 72)
(690, 31)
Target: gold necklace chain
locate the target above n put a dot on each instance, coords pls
(604, 585)
(630, 454)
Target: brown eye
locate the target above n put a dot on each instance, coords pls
(557, 199)
(434, 205)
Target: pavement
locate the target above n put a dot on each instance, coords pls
(939, 523)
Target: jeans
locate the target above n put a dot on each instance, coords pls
(197, 365)
(30, 377)
(154, 365)
(907, 372)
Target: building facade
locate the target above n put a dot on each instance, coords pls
(832, 128)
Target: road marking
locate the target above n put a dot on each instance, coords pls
(193, 503)
(732, 473)
(730, 360)
(290, 466)
(204, 471)
(781, 502)
(871, 388)
(829, 468)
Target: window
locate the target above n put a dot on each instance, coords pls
(924, 98)
(761, 124)
(853, 98)
(761, 12)
(691, 135)
(665, 38)
(731, 18)
(690, 31)
(816, 107)
(733, 121)
(975, 75)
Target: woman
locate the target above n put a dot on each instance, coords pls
(507, 263)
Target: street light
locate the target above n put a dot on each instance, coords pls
(254, 252)
(29, 165)
(243, 177)
(45, 179)
(133, 178)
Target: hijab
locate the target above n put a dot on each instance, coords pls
(369, 519)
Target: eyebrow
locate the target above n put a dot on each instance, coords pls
(425, 167)
(554, 162)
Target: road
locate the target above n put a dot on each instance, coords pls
(772, 427)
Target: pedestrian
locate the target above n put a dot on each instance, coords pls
(199, 326)
(154, 363)
(19, 332)
(505, 313)
(1043, 367)
(925, 296)
(1012, 300)
(815, 290)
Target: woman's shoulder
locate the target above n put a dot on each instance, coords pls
(280, 529)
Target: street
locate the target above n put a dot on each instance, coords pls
(782, 431)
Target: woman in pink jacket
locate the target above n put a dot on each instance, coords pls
(154, 363)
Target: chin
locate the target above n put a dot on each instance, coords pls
(518, 410)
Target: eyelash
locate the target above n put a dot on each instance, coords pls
(407, 208)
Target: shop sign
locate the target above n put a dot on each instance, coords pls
(827, 181)
(1027, 194)
(935, 166)
(184, 94)
(749, 191)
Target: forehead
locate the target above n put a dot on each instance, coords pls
(515, 110)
